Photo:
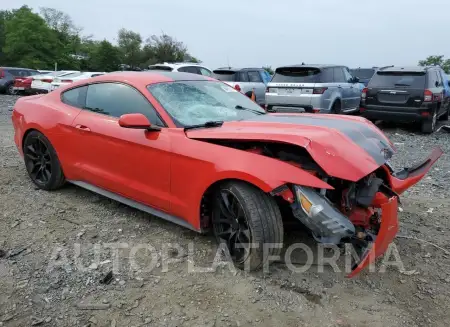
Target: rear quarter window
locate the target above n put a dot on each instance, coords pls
(398, 79)
(75, 97)
(362, 73)
(297, 75)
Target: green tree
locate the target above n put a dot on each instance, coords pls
(436, 60)
(4, 16)
(29, 42)
(165, 48)
(106, 57)
(130, 47)
(269, 69)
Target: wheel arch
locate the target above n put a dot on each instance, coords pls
(207, 195)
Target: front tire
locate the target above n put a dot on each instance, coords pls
(42, 163)
(243, 215)
(445, 115)
(337, 108)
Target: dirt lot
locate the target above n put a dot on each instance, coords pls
(43, 283)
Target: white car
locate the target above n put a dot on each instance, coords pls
(70, 78)
(42, 83)
(185, 67)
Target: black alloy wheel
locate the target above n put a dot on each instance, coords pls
(41, 162)
(38, 161)
(231, 226)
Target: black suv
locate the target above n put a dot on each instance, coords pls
(406, 94)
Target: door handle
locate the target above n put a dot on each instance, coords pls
(83, 128)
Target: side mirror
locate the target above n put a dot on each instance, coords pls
(448, 83)
(137, 121)
(355, 79)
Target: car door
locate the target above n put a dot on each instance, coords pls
(446, 86)
(354, 92)
(257, 85)
(443, 82)
(343, 88)
(133, 163)
(435, 85)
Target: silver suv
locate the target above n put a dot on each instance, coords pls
(313, 88)
(245, 80)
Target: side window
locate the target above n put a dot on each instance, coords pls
(115, 99)
(339, 76)
(243, 77)
(432, 78)
(327, 75)
(348, 76)
(254, 77)
(439, 78)
(75, 97)
(190, 69)
(265, 76)
(204, 71)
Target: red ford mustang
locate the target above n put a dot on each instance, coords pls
(195, 151)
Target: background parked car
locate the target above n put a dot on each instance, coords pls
(313, 88)
(364, 74)
(70, 78)
(185, 67)
(42, 83)
(407, 94)
(245, 80)
(8, 75)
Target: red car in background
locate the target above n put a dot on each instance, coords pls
(22, 85)
(195, 151)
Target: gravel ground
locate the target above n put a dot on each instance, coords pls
(43, 281)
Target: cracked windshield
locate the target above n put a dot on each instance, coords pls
(197, 102)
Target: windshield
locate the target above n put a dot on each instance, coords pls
(362, 73)
(197, 102)
(398, 79)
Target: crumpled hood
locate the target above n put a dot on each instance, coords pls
(345, 147)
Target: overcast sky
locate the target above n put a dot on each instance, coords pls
(269, 32)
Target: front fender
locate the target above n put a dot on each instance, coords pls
(196, 165)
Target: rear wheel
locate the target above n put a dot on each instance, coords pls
(10, 90)
(429, 125)
(41, 162)
(445, 115)
(245, 219)
(336, 109)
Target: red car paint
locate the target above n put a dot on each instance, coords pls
(93, 148)
(23, 82)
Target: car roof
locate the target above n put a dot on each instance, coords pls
(18, 68)
(150, 77)
(233, 69)
(406, 68)
(175, 65)
(311, 66)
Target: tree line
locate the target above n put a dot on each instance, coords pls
(39, 40)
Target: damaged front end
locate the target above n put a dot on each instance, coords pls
(363, 213)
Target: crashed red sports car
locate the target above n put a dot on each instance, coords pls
(192, 150)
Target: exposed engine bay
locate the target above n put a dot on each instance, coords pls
(347, 213)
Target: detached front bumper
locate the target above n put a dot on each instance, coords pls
(399, 181)
(388, 231)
